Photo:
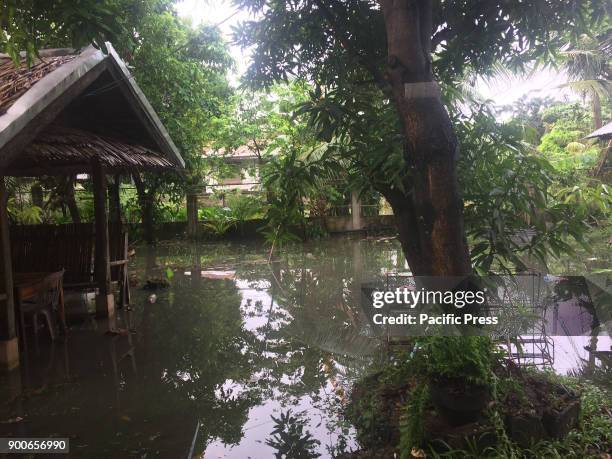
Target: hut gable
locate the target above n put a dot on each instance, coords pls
(70, 109)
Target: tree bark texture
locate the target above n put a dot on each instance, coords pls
(146, 199)
(114, 199)
(429, 214)
(596, 105)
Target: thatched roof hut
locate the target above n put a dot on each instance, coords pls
(69, 113)
(70, 109)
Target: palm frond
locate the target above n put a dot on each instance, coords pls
(603, 88)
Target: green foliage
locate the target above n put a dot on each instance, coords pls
(24, 215)
(219, 220)
(565, 146)
(28, 25)
(182, 71)
(468, 358)
(341, 48)
(527, 118)
(369, 413)
(587, 63)
(244, 207)
(507, 189)
(401, 379)
(412, 426)
(288, 179)
(588, 202)
(566, 149)
(300, 37)
(590, 440)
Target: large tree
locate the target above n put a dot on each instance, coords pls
(181, 69)
(390, 56)
(183, 72)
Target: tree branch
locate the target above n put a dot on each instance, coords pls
(343, 36)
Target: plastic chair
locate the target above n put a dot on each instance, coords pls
(43, 306)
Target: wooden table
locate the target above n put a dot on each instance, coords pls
(30, 285)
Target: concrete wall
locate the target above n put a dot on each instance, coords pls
(346, 223)
(250, 229)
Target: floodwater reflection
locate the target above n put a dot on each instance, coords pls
(210, 358)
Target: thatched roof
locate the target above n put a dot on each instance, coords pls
(604, 132)
(14, 82)
(73, 150)
(69, 109)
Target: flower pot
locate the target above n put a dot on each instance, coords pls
(458, 401)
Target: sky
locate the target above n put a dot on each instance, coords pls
(501, 91)
(219, 12)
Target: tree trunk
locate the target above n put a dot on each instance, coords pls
(603, 156)
(147, 221)
(70, 201)
(192, 214)
(37, 195)
(430, 214)
(114, 199)
(596, 105)
(146, 199)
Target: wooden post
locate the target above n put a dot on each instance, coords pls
(192, 214)
(355, 211)
(9, 346)
(105, 301)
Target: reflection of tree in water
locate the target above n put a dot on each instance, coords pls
(291, 439)
(307, 322)
(307, 339)
(193, 341)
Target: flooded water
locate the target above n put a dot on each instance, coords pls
(221, 344)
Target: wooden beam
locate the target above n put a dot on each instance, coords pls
(9, 349)
(105, 301)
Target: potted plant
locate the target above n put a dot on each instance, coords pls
(459, 371)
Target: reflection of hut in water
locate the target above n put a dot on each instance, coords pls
(72, 113)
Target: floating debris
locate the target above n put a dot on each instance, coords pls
(218, 274)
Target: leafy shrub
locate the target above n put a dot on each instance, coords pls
(412, 427)
(244, 207)
(219, 220)
(469, 358)
(26, 215)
